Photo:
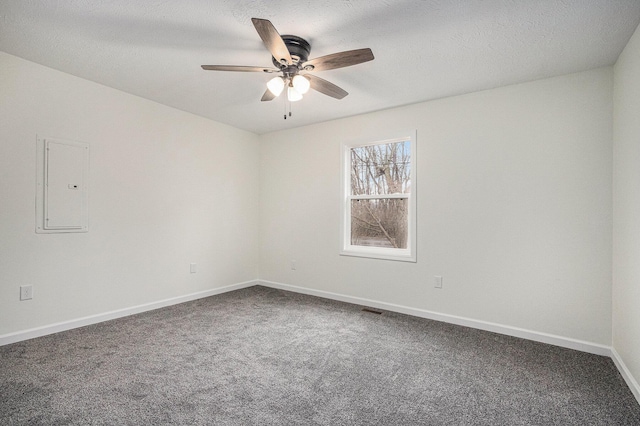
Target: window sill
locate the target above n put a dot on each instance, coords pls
(377, 253)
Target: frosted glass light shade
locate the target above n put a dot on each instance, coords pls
(275, 85)
(301, 84)
(293, 95)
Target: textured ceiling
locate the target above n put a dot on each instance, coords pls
(424, 49)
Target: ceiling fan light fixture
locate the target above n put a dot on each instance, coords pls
(301, 84)
(290, 55)
(276, 85)
(293, 95)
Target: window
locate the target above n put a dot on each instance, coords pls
(379, 199)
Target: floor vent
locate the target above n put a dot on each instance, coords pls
(372, 311)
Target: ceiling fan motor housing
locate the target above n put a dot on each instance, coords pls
(298, 47)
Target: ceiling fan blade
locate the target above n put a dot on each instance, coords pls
(340, 60)
(272, 40)
(240, 68)
(268, 96)
(325, 87)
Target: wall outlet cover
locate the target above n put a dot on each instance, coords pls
(26, 292)
(437, 280)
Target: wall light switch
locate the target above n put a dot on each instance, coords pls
(192, 268)
(437, 281)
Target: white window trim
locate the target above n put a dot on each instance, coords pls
(346, 248)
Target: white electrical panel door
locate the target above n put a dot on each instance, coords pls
(62, 186)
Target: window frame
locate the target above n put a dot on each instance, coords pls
(386, 253)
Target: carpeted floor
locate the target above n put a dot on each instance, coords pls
(261, 356)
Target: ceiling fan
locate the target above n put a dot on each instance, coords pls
(290, 55)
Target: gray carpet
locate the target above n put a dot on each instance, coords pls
(260, 356)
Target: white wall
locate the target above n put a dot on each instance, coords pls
(514, 207)
(514, 201)
(166, 188)
(626, 208)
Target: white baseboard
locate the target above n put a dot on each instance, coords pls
(626, 374)
(19, 336)
(564, 342)
(561, 341)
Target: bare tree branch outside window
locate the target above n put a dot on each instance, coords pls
(381, 174)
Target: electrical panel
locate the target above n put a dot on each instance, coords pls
(62, 190)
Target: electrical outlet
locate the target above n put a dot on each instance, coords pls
(293, 265)
(26, 292)
(437, 280)
(193, 268)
